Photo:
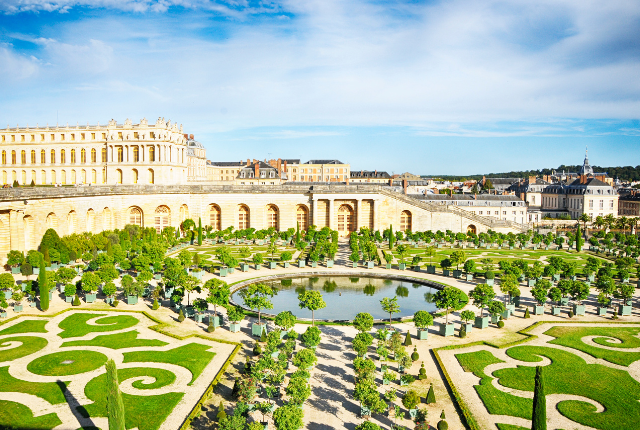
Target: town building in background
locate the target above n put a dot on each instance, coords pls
(370, 177)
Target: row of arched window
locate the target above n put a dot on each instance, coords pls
(53, 177)
(61, 156)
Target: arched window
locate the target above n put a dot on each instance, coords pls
(4, 177)
(24, 177)
(107, 223)
(13, 157)
(52, 221)
(136, 154)
(43, 177)
(118, 176)
(134, 176)
(29, 233)
(184, 213)
(33, 176)
(94, 176)
(33, 157)
(152, 178)
(64, 177)
(73, 176)
(83, 156)
(302, 217)
(471, 229)
(73, 156)
(152, 154)
(53, 156)
(345, 219)
(53, 177)
(272, 217)
(93, 155)
(91, 221)
(162, 218)
(72, 221)
(243, 218)
(43, 156)
(23, 157)
(215, 217)
(83, 176)
(63, 158)
(103, 155)
(4, 157)
(135, 216)
(120, 154)
(405, 221)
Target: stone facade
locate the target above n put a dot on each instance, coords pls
(26, 213)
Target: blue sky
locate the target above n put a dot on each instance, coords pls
(431, 87)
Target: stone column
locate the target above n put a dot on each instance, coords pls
(314, 211)
(358, 214)
(331, 215)
(376, 205)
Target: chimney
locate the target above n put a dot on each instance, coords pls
(404, 185)
(191, 136)
(375, 173)
(532, 179)
(248, 162)
(186, 136)
(257, 170)
(391, 182)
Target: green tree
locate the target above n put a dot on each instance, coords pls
(578, 238)
(199, 231)
(457, 258)
(311, 300)
(115, 406)
(363, 322)
(539, 402)
(90, 282)
(43, 285)
(288, 417)
(390, 306)
(422, 319)
(256, 296)
(190, 284)
(285, 320)
(392, 238)
(449, 298)
(218, 293)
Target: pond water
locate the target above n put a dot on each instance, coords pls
(345, 296)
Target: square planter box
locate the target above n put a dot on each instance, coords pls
(256, 329)
(423, 334)
(385, 382)
(36, 270)
(591, 278)
(8, 294)
(578, 310)
(258, 266)
(416, 268)
(108, 300)
(516, 301)
(556, 277)
(132, 300)
(197, 275)
(32, 304)
(244, 267)
(198, 317)
(354, 265)
(272, 265)
(469, 277)
(495, 319)
(602, 311)
(369, 264)
(215, 319)
(89, 298)
(68, 299)
(511, 308)
(15, 270)
(329, 263)
(447, 330)
(573, 278)
(446, 272)
(230, 270)
(457, 273)
(624, 310)
(556, 310)
(489, 282)
(157, 276)
(387, 266)
(521, 278)
(531, 283)
(539, 310)
(223, 272)
(431, 269)
(506, 314)
(285, 264)
(17, 308)
(234, 327)
(402, 266)
(301, 263)
(314, 264)
(468, 327)
(482, 322)
(3, 314)
(564, 301)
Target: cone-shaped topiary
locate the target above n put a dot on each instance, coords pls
(210, 327)
(463, 331)
(442, 425)
(181, 316)
(431, 396)
(407, 339)
(76, 301)
(526, 313)
(263, 336)
(442, 416)
(221, 412)
(539, 403)
(423, 372)
(257, 350)
(115, 406)
(414, 355)
(156, 305)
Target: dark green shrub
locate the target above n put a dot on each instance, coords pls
(500, 324)
(463, 331)
(181, 316)
(76, 301)
(257, 350)
(156, 305)
(571, 314)
(423, 372)
(526, 313)
(442, 425)
(115, 303)
(431, 395)
(414, 355)
(407, 339)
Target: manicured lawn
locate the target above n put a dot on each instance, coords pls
(496, 401)
(143, 412)
(52, 392)
(614, 389)
(30, 344)
(509, 427)
(75, 325)
(128, 339)
(18, 416)
(26, 326)
(67, 363)
(193, 357)
(572, 337)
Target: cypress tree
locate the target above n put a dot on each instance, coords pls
(44, 289)
(199, 231)
(539, 403)
(578, 234)
(109, 249)
(407, 339)
(391, 237)
(263, 336)
(115, 406)
(431, 396)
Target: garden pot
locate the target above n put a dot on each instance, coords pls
(506, 314)
(15, 270)
(402, 266)
(369, 265)
(256, 329)
(573, 277)
(511, 308)
(516, 301)
(3, 314)
(355, 265)
(244, 267)
(198, 317)
(556, 277)
(50, 296)
(8, 294)
(314, 264)
(489, 282)
(282, 334)
(539, 310)
(564, 301)
(446, 272)
(258, 266)
(510, 247)
(17, 308)
(364, 411)
(215, 319)
(272, 265)
(457, 274)
(468, 326)
(132, 300)
(285, 264)
(157, 276)
(231, 270)
(624, 310)
(385, 382)
(301, 263)
(265, 426)
(521, 278)
(447, 329)
(495, 319)
(108, 300)
(329, 263)
(556, 310)
(602, 311)
(416, 268)
(482, 322)
(68, 299)
(469, 277)
(234, 327)
(388, 265)
(578, 310)
(223, 272)
(423, 334)
(431, 269)
(531, 283)
(625, 281)
(36, 270)
(403, 383)
(591, 278)
(89, 298)
(32, 304)
(400, 368)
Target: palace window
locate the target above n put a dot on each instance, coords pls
(152, 153)
(120, 154)
(33, 157)
(136, 154)
(62, 157)
(93, 155)
(83, 156)
(73, 156)
(53, 156)
(272, 217)
(4, 157)
(135, 217)
(13, 157)
(103, 155)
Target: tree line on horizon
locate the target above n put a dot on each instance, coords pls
(624, 173)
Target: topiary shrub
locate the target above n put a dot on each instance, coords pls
(442, 425)
(76, 301)
(263, 336)
(500, 324)
(571, 314)
(442, 415)
(156, 305)
(407, 339)
(422, 374)
(463, 331)
(115, 303)
(257, 350)
(414, 355)
(431, 396)
(210, 327)
(181, 316)
(527, 314)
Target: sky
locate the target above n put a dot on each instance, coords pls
(430, 87)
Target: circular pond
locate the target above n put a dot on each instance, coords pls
(347, 296)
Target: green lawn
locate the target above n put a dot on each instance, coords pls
(52, 392)
(614, 389)
(128, 339)
(75, 325)
(67, 363)
(496, 401)
(30, 344)
(572, 337)
(18, 416)
(193, 357)
(510, 427)
(143, 412)
(26, 326)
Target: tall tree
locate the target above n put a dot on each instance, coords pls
(115, 406)
(199, 231)
(44, 287)
(311, 300)
(539, 421)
